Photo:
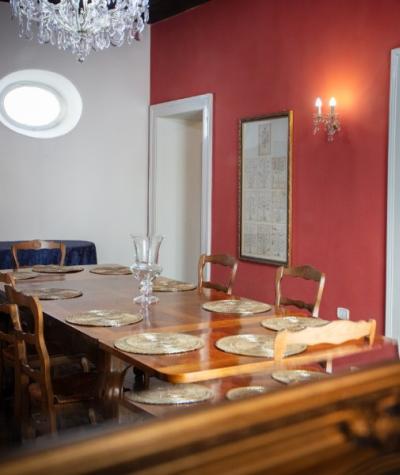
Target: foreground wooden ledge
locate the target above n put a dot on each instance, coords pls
(344, 424)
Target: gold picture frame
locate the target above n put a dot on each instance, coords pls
(265, 188)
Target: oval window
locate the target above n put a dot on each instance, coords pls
(39, 104)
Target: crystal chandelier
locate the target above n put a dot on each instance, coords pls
(81, 25)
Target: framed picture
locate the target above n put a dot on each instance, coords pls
(265, 170)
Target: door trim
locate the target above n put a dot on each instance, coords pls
(392, 324)
(203, 104)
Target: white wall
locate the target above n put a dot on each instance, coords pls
(178, 195)
(90, 184)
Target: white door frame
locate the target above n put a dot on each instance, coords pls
(203, 104)
(392, 324)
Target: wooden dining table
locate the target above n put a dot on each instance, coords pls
(175, 312)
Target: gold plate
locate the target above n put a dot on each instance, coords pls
(53, 294)
(104, 318)
(159, 343)
(19, 275)
(242, 307)
(292, 323)
(244, 392)
(291, 376)
(111, 269)
(172, 394)
(164, 284)
(254, 345)
(53, 269)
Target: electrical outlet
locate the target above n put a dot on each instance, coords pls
(343, 313)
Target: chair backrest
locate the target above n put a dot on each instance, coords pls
(219, 259)
(10, 320)
(36, 245)
(7, 278)
(9, 337)
(303, 272)
(336, 332)
(40, 371)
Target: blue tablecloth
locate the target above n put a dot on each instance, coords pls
(78, 253)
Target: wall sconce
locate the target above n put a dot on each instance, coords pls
(329, 121)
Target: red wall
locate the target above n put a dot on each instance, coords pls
(274, 55)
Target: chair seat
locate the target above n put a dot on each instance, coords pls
(73, 363)
(72, 388)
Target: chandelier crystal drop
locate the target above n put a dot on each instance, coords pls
(81, 25)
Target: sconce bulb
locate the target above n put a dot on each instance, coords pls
(332, 102)
(318, 105)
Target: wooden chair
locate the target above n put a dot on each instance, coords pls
(7, 278)
(37, 245)
(303, 272)
(222, 260)
(335, 333)
(34, 381)
(9, 352)
(7, 340)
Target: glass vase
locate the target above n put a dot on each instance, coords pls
(145, 267)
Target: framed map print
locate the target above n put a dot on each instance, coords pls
(265, 188)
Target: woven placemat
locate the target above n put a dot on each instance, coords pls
(291, 376)
(292, 323)
(111, 269)
(245, 392)
(104, 318)
(54, 269)
(53, 294)
(172, 394)
(254, 345)
(159, 343)
(19, 275)
(164, 284)
(243, 307)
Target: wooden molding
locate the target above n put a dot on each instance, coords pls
(323, 427)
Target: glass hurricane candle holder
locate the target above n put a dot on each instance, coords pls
(145, 267)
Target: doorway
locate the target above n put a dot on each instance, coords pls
(392, 325)
(180, 175)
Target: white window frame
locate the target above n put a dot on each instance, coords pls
(66, 93)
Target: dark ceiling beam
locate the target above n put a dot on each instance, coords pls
(162, 9)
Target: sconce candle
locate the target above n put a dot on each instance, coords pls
(332, 103)
(318, 105)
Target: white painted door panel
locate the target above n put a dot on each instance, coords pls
(178, 195)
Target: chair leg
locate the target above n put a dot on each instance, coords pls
(329, 366)
(92, 416)
(52, 418)
(49, 412)
(17, 395)
(27, 431)
(85, 364)
(2, 389)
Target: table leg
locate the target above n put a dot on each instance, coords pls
(142, 380)
(112, 371)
